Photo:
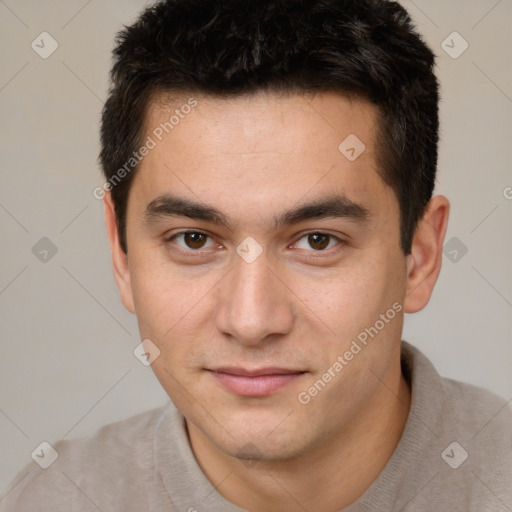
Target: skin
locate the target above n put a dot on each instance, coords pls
(296, 306)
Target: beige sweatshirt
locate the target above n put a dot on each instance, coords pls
(455, 455)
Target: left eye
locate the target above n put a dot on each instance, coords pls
(192, 240)
(317, 241)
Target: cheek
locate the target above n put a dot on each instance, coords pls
(155, 300)
(167, 300)
(349, 299)
(176, 313)
(180, 385)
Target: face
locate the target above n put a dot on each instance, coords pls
(259, 252)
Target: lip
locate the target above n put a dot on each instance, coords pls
(253, 383)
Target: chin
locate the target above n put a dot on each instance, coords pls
(256, 440)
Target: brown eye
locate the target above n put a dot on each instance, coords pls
(318, 241)
(194, 240)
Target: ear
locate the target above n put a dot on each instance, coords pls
(424, 262)
(119, 258)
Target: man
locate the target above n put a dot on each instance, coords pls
(269, 202)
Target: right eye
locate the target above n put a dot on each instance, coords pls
(191, 240)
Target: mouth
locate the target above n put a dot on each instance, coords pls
(254, 383)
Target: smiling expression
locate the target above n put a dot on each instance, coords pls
(257, 251)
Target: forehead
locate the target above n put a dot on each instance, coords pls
(249, 122)
(260, 151)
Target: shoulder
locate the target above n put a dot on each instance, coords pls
(477, 446)
(467, 431)
(483, 422)
(456, 449)
(477, 407)
(460, 406)
(116, 455)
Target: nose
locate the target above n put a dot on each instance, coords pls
(253, 304)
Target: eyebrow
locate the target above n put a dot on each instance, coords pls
(337, 206)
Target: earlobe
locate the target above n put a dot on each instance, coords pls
(424, 262)
(119, 258)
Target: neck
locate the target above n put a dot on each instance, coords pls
(329, 477)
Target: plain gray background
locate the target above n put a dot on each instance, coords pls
(67, 364)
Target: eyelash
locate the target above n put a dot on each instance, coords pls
(198, 252)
